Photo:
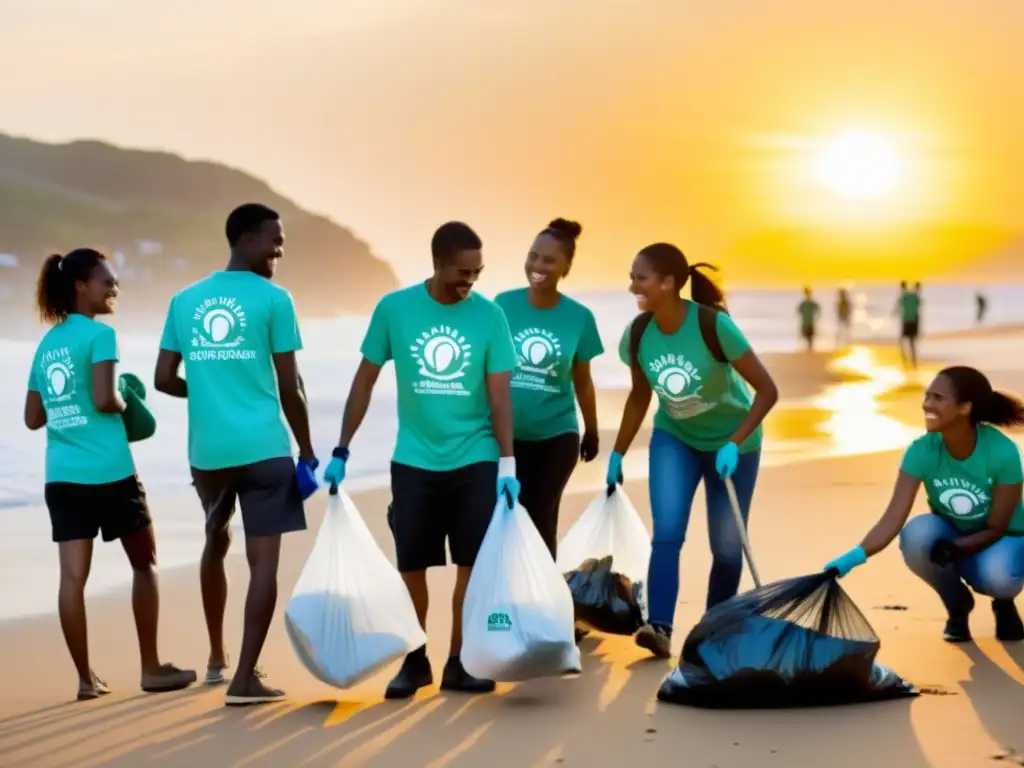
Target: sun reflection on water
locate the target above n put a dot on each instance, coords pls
(854, 421)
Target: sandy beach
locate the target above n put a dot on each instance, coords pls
(805, 512)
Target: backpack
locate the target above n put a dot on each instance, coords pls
(707, 317)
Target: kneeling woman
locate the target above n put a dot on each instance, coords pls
(708, 427)
(91, 484)
(972, 475)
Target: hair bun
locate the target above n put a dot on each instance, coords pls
(566, 227)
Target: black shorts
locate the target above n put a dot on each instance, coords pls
(428, 508)
(80, 511)
(807, 331)
(910, 329)
(268, 492)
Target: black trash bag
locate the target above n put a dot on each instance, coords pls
(795, 643)
(605, 600)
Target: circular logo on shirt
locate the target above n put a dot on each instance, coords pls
(442, 353)
(674, 382)
(539, 350)
(59, 376)
(960, 501)
(218, 323)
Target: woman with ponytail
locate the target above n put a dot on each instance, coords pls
(707, 427)
(91, 484)
(972, 477)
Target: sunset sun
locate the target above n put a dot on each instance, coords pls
(858, 165)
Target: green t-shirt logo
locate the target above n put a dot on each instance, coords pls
(60, 374)
(678, 384)
(539, 351)
(499, 622)
(442, 354)
(218, 324)
(962, 498)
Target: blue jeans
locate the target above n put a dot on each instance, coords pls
(675, 472)
(997, 571)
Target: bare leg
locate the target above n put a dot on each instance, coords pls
(140, 547)
(75, 562)
(416, 583)
(263, 554)
(213, 581)
(458, 598)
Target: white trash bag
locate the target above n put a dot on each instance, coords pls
(517, 619)
(350, 613)
(609, 528)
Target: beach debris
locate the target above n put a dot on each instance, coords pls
(891, 608)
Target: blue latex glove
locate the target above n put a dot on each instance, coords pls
(614, 469)
(335, 472)
(305, 471)
(507, 482)
(848, 561)
(726, 459)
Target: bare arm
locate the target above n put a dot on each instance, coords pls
(105, 396)
(895, 517)
(1005, 499)
(585, 395)
(166, 378)
(293, 401)
(35, 412)
(634, 412)
(500, 395)
(766, 394)
(358, 400)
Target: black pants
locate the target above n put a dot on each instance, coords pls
(543, 468)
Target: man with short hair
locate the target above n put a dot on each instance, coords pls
(236, 332)
(454, 358)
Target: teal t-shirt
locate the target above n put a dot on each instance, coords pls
(83, 445)
(548, 342)
(700, 400)
(808, 310)
(961, 491)
(910, 304)
(227, 327)
(443, 354)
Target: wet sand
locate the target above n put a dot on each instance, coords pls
(804, 513)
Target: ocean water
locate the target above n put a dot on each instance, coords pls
(331, 354)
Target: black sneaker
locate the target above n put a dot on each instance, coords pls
(1009, 627)
(456, 678)
(414, 674)
(958, 628)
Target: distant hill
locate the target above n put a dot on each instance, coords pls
(926, 252)
(163, 216)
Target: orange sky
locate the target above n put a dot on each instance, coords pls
(695, 122)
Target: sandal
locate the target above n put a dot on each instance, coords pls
(169, 678)
(87, 692)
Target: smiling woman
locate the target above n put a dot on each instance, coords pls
(859, 165)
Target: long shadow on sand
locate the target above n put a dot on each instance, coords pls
(996, 691)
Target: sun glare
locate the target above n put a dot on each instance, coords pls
(859, 165)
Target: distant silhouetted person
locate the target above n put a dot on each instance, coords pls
(908, 307)
(982, 305)
(809, 310)
(844, 312)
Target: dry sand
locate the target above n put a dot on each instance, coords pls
(803, 515)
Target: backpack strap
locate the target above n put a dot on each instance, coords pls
(708, 318)
(636, 333)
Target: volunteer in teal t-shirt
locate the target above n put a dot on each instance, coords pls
(908, 306)
(453, 460)
(707, 427)
(236, 334)
(972, 477)
(555, 340)
(91, 484)
(809, 310)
